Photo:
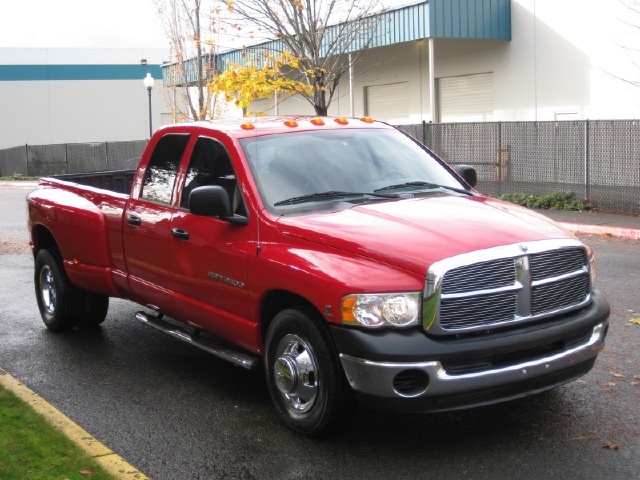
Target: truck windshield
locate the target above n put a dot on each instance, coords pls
(330, 165)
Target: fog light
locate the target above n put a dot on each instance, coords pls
(411, 383)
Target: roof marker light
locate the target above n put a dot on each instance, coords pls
(366, 119)
(317, 121)
(341, 121)
(247, 126)
(291, 123)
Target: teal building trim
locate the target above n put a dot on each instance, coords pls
(26, 73)
(472, 19)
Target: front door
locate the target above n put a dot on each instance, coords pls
(209, 256)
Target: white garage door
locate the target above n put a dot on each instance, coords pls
(468, 98)
(388, 102)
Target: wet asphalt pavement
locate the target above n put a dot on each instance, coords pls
(176, 412)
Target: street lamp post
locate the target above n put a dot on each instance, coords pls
(148, 82)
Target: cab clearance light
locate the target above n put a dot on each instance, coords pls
(291, 123)
(247, 126)
(317, 121)
(366, 119)
(341, 121)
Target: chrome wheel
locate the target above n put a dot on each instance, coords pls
(296, 373)
(47, 290)
(303, 372)
(54, 293)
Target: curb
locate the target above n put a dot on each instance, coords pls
(110, 461)
(621, 232)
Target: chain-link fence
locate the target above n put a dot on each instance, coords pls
(41, 160)
(598, 161)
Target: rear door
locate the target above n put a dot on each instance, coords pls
(147, 221)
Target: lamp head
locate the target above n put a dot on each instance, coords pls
(148, 81)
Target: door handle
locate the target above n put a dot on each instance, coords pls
(180, 234)
(133, 220)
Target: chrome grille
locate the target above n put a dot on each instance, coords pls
(553, 296)
(555, 263)
(481, 276)
(521, 283)
(478, 311)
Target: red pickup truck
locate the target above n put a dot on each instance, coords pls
(340, 254)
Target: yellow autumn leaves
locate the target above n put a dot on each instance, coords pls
(243, 84)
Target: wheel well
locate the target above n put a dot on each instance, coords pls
(42, 238)
(277, 301)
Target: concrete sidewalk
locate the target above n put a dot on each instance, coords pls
(623, 226)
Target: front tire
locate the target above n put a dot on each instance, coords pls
(305, 379)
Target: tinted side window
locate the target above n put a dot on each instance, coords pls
(210, 164)
(163, 168)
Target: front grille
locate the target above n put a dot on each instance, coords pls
(530, 283)
(481, 276)
(553, 296)
(556, 263)
(477, 311)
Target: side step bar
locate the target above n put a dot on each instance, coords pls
(216, 347)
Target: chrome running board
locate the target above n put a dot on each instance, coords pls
(211, 345)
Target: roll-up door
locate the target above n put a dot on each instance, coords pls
(467, 98)
(388, 102)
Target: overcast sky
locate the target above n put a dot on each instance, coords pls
(89, 24)
(80, 24)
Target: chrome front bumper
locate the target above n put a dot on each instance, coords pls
(379, 379)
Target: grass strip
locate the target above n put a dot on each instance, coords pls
(31, 448)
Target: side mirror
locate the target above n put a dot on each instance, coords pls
(213, 201)
(468, 174)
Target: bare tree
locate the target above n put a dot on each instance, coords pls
(630, 44)
(190, 28)
(327, 37)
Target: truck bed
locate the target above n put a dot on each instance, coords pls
(118, 181)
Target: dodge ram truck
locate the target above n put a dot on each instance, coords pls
(338, 254)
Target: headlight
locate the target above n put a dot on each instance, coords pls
(379, 310)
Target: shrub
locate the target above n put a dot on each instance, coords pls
(550, 201)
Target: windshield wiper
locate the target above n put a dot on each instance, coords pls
(423, 185)
(333, 194)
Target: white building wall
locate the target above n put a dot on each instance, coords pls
(604, 36)
(40, 112)
(564, 56)
(562, 63)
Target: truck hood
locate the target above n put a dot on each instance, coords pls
(414, 233)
